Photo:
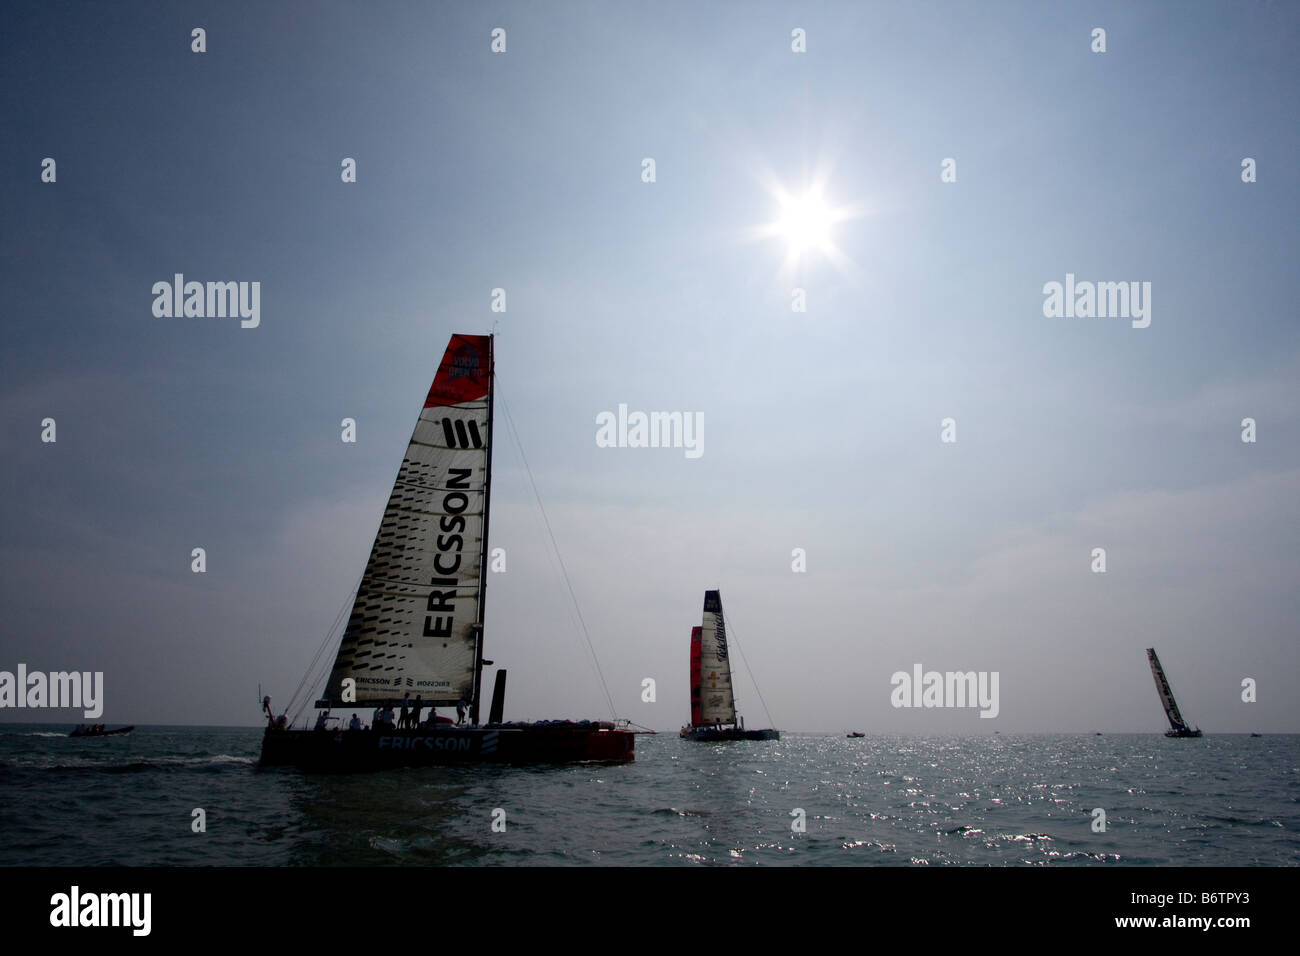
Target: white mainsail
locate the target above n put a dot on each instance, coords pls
(1166, 694)
(416, 622)
(717, 705)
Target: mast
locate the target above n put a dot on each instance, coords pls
(483, 570)
(1166, 693)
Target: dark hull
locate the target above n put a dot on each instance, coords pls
(102, 733)
(713, 734)
(1183, 733)
(364, 750)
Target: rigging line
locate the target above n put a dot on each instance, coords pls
(735, 636)
(575, 628)
(320, 674)
(313, 667)
(321, 667)
(514, 433)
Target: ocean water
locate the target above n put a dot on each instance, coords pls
(875, 801)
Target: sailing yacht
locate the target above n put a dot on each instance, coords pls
(713, 705)
(1177, 726)
(416, 627)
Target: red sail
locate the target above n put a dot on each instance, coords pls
(696, 717)
(463, 375)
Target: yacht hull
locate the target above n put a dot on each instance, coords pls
(714, 734)
(364, 750)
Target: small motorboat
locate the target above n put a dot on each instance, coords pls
(855, 734)
(98, 730)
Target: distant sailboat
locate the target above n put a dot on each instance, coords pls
(417, 622)
(1178, 726)
(713, 705)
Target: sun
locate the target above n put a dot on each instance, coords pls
(805, 223)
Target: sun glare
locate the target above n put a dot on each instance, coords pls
(805, 223)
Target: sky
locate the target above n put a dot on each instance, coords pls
(523, 170)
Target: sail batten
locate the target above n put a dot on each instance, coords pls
(415, 622)
(717, 701)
